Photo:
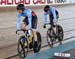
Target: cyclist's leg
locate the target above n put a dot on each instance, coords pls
(55, 25)
(51, 21)
(24, 24)
(34, 29)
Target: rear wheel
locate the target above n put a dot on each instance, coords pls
(50, 37)
(60, 34)
(22, 47)
(39, 43)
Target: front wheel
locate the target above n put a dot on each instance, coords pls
(39, 43)
(22, 47)
(50, 37)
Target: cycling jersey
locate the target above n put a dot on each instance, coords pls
(26, 13)
(52, 12)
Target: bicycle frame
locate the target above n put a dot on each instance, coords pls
(55, 31)
(28, 39)
(26, 35)
(52, 26)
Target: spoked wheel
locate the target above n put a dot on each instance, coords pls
(50, 37)
(60, 34)
(39, 43)
(22, 47)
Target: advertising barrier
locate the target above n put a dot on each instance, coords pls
(33, 2)
(25, 2)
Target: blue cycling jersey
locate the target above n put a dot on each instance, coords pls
(26, 12)
(52, 12)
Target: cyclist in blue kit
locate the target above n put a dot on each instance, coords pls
(53, 15)
(29, 22)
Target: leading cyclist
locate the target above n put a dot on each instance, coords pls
(29, 22)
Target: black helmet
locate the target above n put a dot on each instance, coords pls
(46, 8)
(20, 7)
